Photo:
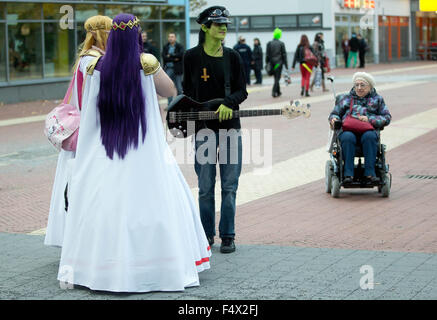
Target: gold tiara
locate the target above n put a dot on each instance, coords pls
(123, 24)
(97, 27)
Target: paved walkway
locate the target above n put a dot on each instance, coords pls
(28, 271)
(293, 240)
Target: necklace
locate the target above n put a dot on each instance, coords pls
(219, 52)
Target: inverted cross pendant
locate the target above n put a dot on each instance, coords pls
(204, 76)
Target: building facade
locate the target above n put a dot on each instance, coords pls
(394, 29)
(39, 39)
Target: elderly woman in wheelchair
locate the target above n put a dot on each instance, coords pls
(357, 118)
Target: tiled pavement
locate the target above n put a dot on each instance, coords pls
(296, 244)
(268, 272)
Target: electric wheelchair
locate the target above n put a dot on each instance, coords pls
(334, 167)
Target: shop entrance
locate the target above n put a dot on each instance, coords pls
(345, 25)
(426, 36)
(393, 38)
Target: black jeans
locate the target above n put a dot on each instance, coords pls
(247, 72)
(258, 75)
(362, 56)
(276, 91)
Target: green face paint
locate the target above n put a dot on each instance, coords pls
(216, 32)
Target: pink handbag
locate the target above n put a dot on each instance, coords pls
(62, 123)
(355, 125)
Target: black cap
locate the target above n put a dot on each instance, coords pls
(216, 14)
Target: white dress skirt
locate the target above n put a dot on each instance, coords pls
(56, 220)
(132, 224)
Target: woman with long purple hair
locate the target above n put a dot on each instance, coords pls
(132, 223)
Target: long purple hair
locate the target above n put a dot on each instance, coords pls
(121, 102)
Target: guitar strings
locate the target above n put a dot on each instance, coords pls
(211, 115)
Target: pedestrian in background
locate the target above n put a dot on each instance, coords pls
(276, 56)
(172, 54)
(246, 55)
(362, 50)
(354, 46)
(320, 52)
(304, 54)
(148, 47)
(257, 60)
(345, 47)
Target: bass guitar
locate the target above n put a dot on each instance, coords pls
(184, 111)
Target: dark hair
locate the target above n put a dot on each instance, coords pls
(304, 42)
(202, 33)
(259, 42)
(317, 37)
(120, 102)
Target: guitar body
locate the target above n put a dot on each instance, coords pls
(179, 109)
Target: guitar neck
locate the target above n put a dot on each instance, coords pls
(211, 115)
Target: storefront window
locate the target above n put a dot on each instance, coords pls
(310, 20)
(152, 29)
(2, 53)
(25, 51)
(2, 11)
(146, 12)
(51, 11)
(173, 12)
(59, 50)
(24, 11)
(85, 11)
(261, 22)
(286, 21)
(177, 28)
(112, 10)
(243, 22)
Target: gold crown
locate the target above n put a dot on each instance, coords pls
(123, 24)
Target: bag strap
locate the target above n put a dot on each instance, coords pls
(69, 90)
(227, 69)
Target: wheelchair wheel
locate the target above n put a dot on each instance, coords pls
(335, 187)
(329, 171)
(385, 189)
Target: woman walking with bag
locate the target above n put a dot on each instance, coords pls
(319, 49)
(305, 56)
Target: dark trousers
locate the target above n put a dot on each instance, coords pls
(276, 91)
(247, 70)
(369, 144)
(346, 57)
(258, 75)
(362, 55)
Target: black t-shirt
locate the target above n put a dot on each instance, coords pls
(204, 79)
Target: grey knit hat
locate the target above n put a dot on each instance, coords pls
(365, 77)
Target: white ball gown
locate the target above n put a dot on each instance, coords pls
(132, 224)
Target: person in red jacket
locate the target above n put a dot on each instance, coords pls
(305, 66)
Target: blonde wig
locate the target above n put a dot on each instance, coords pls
(97, 32)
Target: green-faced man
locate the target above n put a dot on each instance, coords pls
(205, 72)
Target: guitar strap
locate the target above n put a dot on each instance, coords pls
(227, 70)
